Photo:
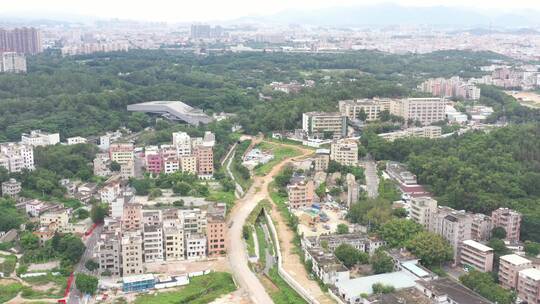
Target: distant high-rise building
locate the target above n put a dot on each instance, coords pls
(26, 40)
(202, 31)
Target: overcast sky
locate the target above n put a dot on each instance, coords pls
(207, 10)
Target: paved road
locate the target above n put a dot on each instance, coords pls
(75, 297)
(372, 179)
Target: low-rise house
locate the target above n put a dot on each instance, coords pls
(11, 187)
(446, 290)
(326, 266)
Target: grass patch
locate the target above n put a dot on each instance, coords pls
(279, 152)
(285, 294)
(223, 197)
(250, 243)
(262, 244)
(8, 265)
(241, 173)
(200, 290)
(56, 291)
(8, 292)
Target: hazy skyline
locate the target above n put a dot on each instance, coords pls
(211, 10)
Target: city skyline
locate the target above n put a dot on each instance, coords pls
(213, 11)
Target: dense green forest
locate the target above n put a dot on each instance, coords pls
(477, 171)
(84, 95)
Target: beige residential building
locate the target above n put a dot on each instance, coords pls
(510, 220)
(528, 287)
(425, 132)
(121, 153)
(173, 238)
(319, 123)
(509, 267)
(188, 163)
(11, 187)
(194, 221)
(422, 210)
(152, 243)
(102, 165)
(481, 227)
(371, 108)
(151, 217)
(109, 254)
(132, 253)
(132, 217)
(345, 152)
(301, 193)
(454, 226)
(476, 255)
(322, 159)
(127, 169)
(59, 217)
(423, 110)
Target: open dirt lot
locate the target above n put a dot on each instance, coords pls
(307, 230)
(183, 267)
(528, 99)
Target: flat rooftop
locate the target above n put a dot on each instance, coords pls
(477, 246)
(454, 290)
(138, 278)
(399, 279)
(532, 273)
(515, 259)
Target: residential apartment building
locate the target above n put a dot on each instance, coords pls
(322, 159)
(171, 165)
(25, 40)
(76, 140)
(38, 138)
(301, 193)
(154, 160)
(152, 243)
(509, 267)
(132, 253)
(127, 169)
(453, 87)
(423, 110)
(422, 210)
(121, 153)
(16, 157)
(320, 123)
(528, 287)
(481, 227)
(102, 165)
(510, 220)
(368, 109)
(58, 217)
(11, 187)
(188, 164)
(11, 62)
(454, 226)
(425, 132)
(109, 254)
(195, 246)
(132, 217)
(194, 221)
(476, 255)
(173, 238)
(216, 233)
(345, 152)
(205, 160)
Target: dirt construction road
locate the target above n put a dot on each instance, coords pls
(237, 253)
